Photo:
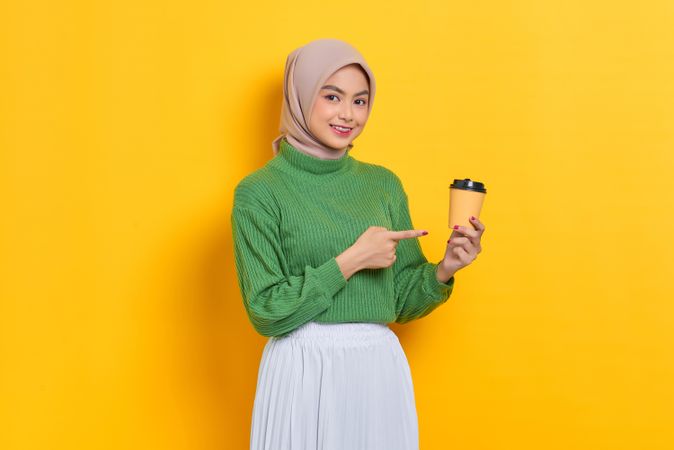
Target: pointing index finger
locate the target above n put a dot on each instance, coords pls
(407, 234)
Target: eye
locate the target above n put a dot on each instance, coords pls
(361, 100)
(330, 95)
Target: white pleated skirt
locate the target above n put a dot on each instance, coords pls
(335, 386)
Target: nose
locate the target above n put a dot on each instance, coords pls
(345, 112)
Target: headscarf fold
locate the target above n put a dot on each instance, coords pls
(306, 70)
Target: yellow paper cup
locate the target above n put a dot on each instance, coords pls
(465, 199)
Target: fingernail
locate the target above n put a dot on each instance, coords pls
(456, 227)
(448, 241)
(424, 233)
(472, 217)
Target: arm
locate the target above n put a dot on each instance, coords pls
(276, 302)
(418, 291)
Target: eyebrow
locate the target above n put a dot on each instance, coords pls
(335, 88)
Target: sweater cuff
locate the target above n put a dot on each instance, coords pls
(435, 289)
(331, 276)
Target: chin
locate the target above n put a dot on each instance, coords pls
(336, 144)
(340, 145)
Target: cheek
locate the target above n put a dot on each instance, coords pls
(318, 120)
(322, 110)
(316, 115)
(362, 116)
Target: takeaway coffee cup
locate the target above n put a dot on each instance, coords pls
(465, 199)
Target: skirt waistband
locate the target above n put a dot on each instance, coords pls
(363, 332)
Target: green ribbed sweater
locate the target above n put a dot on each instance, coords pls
(292, 217)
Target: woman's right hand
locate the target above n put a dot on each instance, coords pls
(377, 246)
(374, 249)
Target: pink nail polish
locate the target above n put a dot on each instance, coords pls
(472, 217)
(456, 227)
(424, 233)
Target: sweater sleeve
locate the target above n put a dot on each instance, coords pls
(276, 302)
(417, 291)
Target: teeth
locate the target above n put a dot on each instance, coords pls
(341, 129)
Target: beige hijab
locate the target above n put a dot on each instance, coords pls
(306, 70)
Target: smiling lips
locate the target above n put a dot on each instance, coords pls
(342, 131)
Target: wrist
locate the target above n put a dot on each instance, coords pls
(350, 261)
(443, 273)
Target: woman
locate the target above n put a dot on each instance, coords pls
(326, 257)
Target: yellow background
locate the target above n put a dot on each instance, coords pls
(126, 125)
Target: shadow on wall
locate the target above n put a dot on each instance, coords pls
(213, 351)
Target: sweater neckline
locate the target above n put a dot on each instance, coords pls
(308, 163)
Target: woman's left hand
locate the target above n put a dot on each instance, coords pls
(463, 247)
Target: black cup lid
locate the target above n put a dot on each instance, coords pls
(468, 185)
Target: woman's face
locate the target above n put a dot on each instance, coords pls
(343, 101)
